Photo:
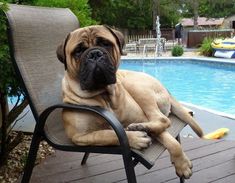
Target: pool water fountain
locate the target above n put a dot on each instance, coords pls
(159, 47)
(145, 51)
(155, 43)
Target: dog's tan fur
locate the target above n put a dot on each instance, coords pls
(139, 101)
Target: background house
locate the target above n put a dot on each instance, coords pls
(229, 22)
(203, 23)
(207, 27)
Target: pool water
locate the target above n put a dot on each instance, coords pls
(12, 100)
(207, 85)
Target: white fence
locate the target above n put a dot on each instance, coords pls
(135, 38)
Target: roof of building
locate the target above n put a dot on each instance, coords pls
(202, 21)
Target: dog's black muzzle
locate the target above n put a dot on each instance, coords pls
(96, 69)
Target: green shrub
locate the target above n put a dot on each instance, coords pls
(177, 51)
(205, 48)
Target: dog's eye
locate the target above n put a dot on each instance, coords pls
(78, 51)
(103, 43)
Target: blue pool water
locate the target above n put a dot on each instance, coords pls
(202, 83)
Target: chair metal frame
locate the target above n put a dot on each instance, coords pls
(122, 149)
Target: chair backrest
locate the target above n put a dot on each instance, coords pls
(35, 33)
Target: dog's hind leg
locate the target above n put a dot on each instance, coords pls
(183, 114)
(155, 126)
(156, 122)
(183, 165)
(155, 106)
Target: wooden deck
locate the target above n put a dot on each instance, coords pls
(213, 160)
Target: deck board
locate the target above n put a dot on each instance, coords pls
(213, 160)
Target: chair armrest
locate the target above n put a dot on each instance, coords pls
(105, 114)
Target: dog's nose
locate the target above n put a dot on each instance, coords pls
(95, 55)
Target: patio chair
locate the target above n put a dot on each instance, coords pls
(34, 34)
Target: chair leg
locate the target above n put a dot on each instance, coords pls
(129, 168)
(182, 180)
(31, 158)
(135, 162)
(85, 157)
(178, 138)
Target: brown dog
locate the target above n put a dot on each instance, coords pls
(140, 102)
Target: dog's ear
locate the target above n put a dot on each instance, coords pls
(60, 52)
(119, 38)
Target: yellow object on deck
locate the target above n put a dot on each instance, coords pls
(217, 134)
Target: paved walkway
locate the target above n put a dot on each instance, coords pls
(210, 121)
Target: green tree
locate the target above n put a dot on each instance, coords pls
(195, 5)
(217, 8)
(130, 14)
(190, 9)
(169, 12)
(135, 14)
(208, 8)
(122, 13)
(103, 11)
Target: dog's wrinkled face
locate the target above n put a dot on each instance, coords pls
(92, 55)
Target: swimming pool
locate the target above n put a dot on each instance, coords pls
(209, 84)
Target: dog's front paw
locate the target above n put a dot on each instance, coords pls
(139, 139)
(137, 127)
(183, 166)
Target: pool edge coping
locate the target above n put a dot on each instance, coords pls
(219, 60)
(219, 113)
